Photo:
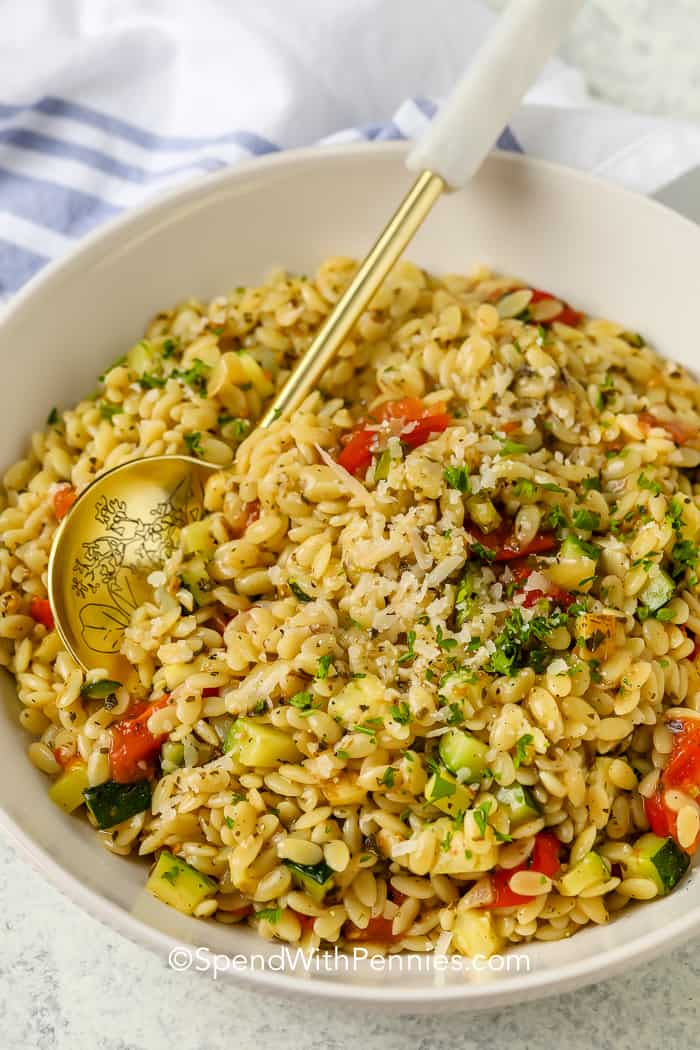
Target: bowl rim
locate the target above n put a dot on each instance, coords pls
(537, 983)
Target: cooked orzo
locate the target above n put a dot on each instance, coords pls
(425, 676)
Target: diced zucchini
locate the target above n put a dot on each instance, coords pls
(111, 803)
(142, 358)
(256, 744)
(574, 566)
(195, 577)
(447, 795)
(519, 803)
(658, 859)
(474, 933)
(590, 870)
(100, 690)
(314, 879)
(197, 539)
(461, 751)
(466, 602)
(360, 699)
(179, 884)
(67, 791)
(172, 755)
(483, 513)
(382, 466)
(658, 589)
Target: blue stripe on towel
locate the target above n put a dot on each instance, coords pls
(61, 107)
(94, 158)
(59, 208)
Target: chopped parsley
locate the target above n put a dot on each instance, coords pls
(457, 478)
(169, 347)
(52, 418)
(512, 448)
(445, 643)
(525, 489)
(387, 778)
(401, 713)
(194, 376)
(484, 554)
(522, 745)
(194, 443)
(585, 519)
(481, 816)
(149, 381)
(500, 837)
(556, 518)
(409, 654)
(298, 592)
(303, 701)
(108, 410)
(685, 555)
(519, 643)
(649, 484)
(324, 665)
(591, 484)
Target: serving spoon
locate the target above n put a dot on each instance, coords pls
(126, 523)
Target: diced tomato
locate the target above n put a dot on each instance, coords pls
(305, 921)
(63, 499)
(133, 745)
(510, 426)
(677, 430)
(659, 815)
(377, 930)
(683, 769)
(567, 315)
(66, 757)
(544, 859)
(503, 542)
(357, 455)
(249, 514)
(418, 422)
(40, 610)
(211, 691)
(533, 597)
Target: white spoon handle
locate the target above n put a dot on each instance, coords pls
(478, 108)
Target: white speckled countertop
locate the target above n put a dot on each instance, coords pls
(67, 982)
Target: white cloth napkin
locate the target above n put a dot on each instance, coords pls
(106, 102)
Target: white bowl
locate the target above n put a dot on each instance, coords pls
(604, 249)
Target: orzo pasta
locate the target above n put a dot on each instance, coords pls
(426, 673)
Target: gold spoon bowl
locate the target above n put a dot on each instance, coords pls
(123, 527)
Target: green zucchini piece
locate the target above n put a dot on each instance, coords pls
(466, 602)
(443, 792)
(314, 879)
(179, 884)
(658, 590)
(519, 802)
(111, 803)
(382, 466)
(462, 751)
(256, 744)
(172, 755)
(100, 690)
(67, 791)
(590, 869)
(196, 579)
(658, 859)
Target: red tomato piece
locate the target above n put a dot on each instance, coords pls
(305, 921)
(417, 432)
(63, 499)
(506, 547)
(677, 430)
(133, 745)
(357, 455)
(377, 930)
(40, 610)
(567, 315)
(533, 597)
(544, 859)
(658, 815)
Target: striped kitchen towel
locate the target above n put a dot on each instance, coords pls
(107, 104)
